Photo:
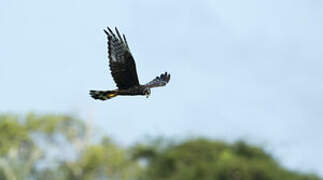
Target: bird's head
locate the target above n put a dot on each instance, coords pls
(147, 92)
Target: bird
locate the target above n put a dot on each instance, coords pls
(123, 70)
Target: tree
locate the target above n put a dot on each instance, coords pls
(28, 145)
(204, 159)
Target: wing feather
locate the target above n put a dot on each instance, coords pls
(161, 80)
(121, 62)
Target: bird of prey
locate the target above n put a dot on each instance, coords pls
(123, 70)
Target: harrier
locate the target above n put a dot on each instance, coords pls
(123, 70)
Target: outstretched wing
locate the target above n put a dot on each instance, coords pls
(161, 80)
(122, 64)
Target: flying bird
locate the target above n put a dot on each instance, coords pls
(123, 70)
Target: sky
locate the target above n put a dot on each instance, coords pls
(239, 69)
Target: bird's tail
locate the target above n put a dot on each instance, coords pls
(103, 95)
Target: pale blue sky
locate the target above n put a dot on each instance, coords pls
(240, 69)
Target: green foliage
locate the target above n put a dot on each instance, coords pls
(21, 153)
(12, 133)
(70, 127)
(27, 142)
(212, 160)
(103, 160)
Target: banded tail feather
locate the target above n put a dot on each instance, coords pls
(103, 95)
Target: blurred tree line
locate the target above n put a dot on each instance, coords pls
(60, 147)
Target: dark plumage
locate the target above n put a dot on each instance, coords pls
(123, 70)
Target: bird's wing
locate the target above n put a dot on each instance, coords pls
(161, 80)
(122, 64)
